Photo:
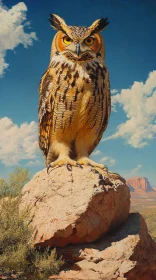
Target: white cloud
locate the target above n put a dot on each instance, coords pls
(12, 33)
(128, 173)
(34, 163)
(110, 161)
(97, 152)
(105, 159)
(139, 103)
(113, 91)
(136, 169)
(17, 142)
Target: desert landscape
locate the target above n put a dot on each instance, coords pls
(143, 196)
(111, 196)
(143, 200)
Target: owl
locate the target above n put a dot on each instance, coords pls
(74, 103)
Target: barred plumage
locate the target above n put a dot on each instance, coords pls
(74, 105)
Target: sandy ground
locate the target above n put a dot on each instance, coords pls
(140, 201)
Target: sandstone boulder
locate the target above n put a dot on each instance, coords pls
(128, 253)
(75, 206)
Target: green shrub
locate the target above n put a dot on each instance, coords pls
(46, 264)
(17, 179)
(16, 245)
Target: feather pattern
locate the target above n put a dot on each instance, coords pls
(74, 104)
(45, 112)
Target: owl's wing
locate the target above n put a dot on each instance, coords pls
(106, 107)
(45, 112)
(108, 93)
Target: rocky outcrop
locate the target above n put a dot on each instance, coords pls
(139, 184)
(77, 206)
(85, 215)
(127, 253)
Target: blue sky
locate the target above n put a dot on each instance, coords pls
(128, 145)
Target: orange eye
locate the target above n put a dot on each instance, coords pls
(67, 40)
(89, 41)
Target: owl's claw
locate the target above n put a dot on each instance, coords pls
(60, 162)
(79, 165)
(88, 163)
(69, 167)
(48, 167)
(95, 171)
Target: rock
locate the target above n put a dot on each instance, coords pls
(126, 254)
(139, 184)
(74, 206)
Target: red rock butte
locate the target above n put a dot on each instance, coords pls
(139, 184)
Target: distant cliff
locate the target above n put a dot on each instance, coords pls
(139, 184)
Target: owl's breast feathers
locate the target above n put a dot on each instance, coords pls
(74, 101)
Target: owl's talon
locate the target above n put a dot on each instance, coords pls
(95, 171)
(48, 167)
(79, 165)
(88, 163)
(69, 167)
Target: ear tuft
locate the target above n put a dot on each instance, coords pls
(57, 22)
(99, 25)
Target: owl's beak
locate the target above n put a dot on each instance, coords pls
(78, 50)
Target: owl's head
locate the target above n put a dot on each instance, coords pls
(78, 43)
